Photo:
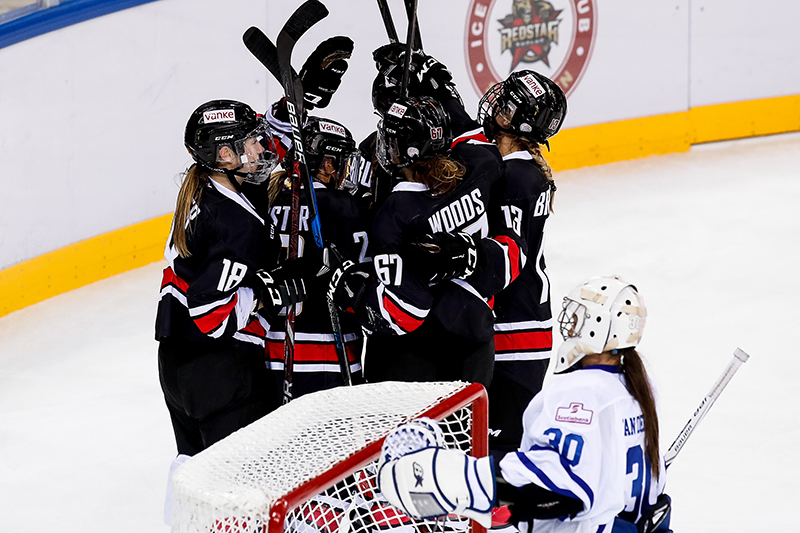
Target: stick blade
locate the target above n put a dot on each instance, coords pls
(262, 49)
(302, 19)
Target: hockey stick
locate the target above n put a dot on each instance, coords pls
(294, 104)
(412, 26)
(263, 50)
(411, 12)
(388, 23)
(739, 357)
(277, 59)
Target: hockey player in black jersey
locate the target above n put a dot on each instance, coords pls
(520, 115)
(426, 325)
(334, 161)
(422, 332)
(221, 257)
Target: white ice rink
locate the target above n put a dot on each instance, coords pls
(711, 237)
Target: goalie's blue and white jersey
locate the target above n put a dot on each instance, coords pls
(584, 438)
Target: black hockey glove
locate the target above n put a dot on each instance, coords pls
(434, 79)
(349, 284)
(656, 518)
(323, 70)
(429, 76)
(442, 256)
(277, 288)
(388, 54)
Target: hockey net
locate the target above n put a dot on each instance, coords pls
(310, 466)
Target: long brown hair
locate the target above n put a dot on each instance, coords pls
(535, 149)
(638, 385)
(440, 173)
(194, 181)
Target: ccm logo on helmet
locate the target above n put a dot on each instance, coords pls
(533, 86)
(220, 115)
(398, 110)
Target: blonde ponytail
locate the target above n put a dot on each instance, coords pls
(194, 181)
(440, 173)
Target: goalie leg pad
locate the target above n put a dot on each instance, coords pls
(435, 482)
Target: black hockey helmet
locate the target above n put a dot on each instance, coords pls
(234, 124)
(412, 129)
(327, 139)
(527, 104)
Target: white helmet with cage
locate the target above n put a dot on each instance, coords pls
(599, 315)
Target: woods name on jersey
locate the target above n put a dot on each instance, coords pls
(458, 213)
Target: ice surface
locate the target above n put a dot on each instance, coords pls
(710, 237)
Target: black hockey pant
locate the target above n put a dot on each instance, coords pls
(429, 353)
(211, 390)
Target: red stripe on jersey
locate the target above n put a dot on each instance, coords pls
(513, 254)
(279, 147)
(255, 328)
(211, 321)
(310, 353)
(523, 340)
(170, 277)
(479, 136)
(401, 318)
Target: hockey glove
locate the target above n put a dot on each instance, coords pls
(348, 284)
(388, 55)
(435, 80)
(434, 482)
(412, 436)
(656, 518)
(277, 288)
(323, 70)
(443, 256)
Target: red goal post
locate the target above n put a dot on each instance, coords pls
(309, 467)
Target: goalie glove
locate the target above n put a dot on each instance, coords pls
(412, 436)
(443, 256)
(435, 482)
(323, 71)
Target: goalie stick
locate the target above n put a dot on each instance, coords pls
(277, 59)
(739, 357)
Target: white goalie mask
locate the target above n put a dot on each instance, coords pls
(599, 315)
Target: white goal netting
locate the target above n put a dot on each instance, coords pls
(309, 467)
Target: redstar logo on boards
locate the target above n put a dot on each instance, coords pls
(553, 38)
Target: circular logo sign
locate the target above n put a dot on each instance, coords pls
(554, 38)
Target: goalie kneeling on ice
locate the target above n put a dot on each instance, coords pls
(434, 482)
